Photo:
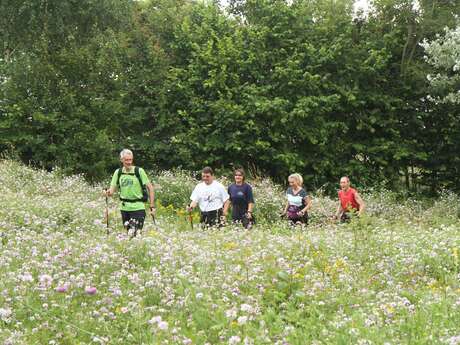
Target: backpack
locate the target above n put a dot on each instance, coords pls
(145, 194)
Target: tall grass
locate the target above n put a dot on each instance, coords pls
(390, 277)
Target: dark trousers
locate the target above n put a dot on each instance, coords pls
(347, 216)
(299, 220)
(133, 219)
(244, 220)
(211, 218)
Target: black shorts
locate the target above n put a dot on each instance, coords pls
(137, 217)
(212, 218)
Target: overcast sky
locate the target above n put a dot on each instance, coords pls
(359, 4)
(364, 4)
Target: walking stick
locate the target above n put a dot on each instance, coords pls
(107, 210)
(190, 218)
(153, 217)
(4, 239)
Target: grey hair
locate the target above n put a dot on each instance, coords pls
(346, 177)
(297, 177)
(126, 152)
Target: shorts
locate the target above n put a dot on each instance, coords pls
(212, 218)
(136, 217)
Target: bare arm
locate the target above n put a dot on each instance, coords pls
(250, 208)
(285, 208)
(226, 207)
(192, 205)
(339, 211)
(110, 191)
(361, 203)
(151, 195)
(308, 202)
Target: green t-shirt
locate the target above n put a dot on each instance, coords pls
(130, 188)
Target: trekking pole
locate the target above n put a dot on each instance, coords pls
(153, 217)
(107, 210)
(190, 218)
(4, 239)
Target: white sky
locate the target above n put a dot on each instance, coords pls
(362, 5)
(359, 4)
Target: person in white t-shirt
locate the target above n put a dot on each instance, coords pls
(211, 197)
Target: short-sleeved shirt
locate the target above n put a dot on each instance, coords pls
(130, 188)
(297, 199)
(210, 197)
(240, 196)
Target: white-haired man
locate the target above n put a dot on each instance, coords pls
(134, 189)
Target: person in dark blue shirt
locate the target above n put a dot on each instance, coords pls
(242, 200)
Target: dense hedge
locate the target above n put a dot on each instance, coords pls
(274, 86)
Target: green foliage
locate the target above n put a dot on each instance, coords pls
(273, 86)
(174, 188)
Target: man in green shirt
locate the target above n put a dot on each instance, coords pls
(129, 181)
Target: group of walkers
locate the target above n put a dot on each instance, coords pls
(214, 200)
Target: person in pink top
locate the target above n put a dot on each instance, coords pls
(350, 202)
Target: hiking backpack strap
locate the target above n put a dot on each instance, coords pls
(145, 193)
(119, 172)
(138, 175)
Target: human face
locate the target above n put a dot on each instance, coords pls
(127, 161)
(207, 178)
(293, 183)
(344, 183)
(238, 178)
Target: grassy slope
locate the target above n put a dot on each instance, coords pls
(392, 277)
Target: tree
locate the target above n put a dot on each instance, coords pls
(56, 72)
(443, 127)
(443, 54)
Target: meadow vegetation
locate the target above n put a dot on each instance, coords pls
(390, 277)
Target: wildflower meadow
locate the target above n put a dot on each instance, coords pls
(389, 277)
